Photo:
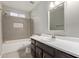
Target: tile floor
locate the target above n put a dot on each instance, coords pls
(17, 54)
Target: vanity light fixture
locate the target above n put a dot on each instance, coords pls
(54, 3)
(51, 5)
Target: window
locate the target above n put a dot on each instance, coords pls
(13, 14)
(17, 15)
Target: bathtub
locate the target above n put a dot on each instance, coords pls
(14, 45)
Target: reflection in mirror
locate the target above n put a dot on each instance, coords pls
(56, 15)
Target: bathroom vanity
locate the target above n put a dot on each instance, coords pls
(43, 49)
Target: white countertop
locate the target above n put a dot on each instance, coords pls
(68, 46)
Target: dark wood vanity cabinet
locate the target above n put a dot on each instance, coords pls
(33, 41)
(60, 54)
(46, 55)
(38, 52)
(33, 53)
(33, 48)
(41, 50)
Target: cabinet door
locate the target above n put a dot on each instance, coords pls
(46, 55)
(60, 54)
(33, 53)
(45, 47)
(33, 47)
(33, 50)
(38, 52)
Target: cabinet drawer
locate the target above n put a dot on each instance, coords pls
(38, 52)
(33, 41)
(60, 54)
(46, 55)
(39, 44)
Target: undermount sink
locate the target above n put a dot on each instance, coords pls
(46, 37)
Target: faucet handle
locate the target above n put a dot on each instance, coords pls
(53, 35)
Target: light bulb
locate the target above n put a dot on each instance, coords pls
(51, 5)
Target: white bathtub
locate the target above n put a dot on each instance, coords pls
(14, 45)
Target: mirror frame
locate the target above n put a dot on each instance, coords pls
(56, 32)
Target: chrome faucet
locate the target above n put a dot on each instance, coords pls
(53, 36)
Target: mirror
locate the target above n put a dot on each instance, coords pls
(56, 15)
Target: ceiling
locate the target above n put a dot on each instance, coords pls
(20, 5)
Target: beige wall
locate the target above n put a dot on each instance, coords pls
(11, 33)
